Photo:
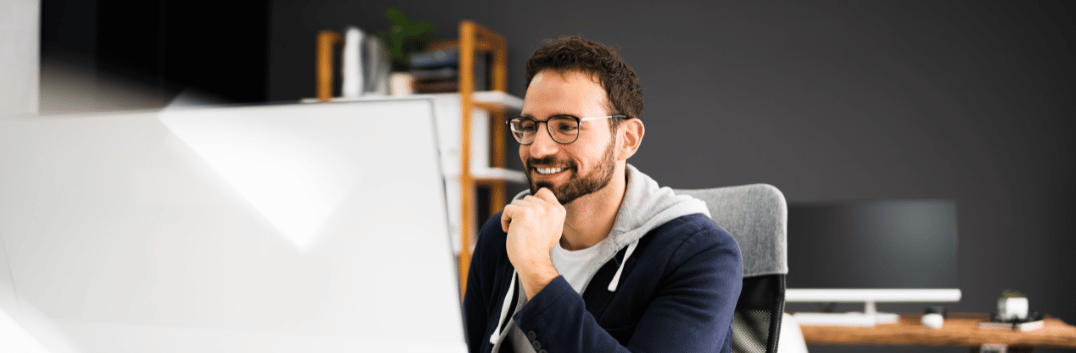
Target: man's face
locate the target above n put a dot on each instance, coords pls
(584, 166)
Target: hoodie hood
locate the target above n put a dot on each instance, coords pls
(645, 206)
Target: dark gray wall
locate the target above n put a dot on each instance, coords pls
(964, 100)
(109, 55)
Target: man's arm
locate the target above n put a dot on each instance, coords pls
(534, 225)
(690, 312)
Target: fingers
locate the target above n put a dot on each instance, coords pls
(541, 200)
(527, 201)
(547, 195)
(512, 210)
(506, 216)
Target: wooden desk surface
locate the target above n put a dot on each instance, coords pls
(960, 329)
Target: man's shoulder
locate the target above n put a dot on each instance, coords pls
(696, 224)
(695, 230)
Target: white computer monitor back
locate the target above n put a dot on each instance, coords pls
(286, 228)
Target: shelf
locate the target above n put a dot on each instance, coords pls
(497, 100)
(489, 100)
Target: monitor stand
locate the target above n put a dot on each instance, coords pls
(868, 318)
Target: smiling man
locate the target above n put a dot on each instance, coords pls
(596, 257)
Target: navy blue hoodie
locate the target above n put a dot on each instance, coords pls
(667, 281)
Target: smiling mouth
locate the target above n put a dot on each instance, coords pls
(547, 171)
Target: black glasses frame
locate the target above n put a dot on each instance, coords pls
(578, 122)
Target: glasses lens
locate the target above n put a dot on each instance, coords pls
(564, 129)
(523, 129)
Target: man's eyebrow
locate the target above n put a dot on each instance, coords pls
(525, 115)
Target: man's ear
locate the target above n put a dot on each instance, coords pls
(631, 133)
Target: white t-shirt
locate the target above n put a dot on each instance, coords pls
(571, 264)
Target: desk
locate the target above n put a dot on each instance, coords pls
(960, 329)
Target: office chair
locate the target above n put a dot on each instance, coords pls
(755, 215)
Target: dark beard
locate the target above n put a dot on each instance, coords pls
(576, 186)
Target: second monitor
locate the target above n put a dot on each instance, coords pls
(871, 252)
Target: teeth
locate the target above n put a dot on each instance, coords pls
(548, 170)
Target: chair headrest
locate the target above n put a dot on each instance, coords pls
(756, 216)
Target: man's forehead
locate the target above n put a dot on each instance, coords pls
(566, 74)
(564, 92)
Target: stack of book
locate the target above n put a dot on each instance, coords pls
(437, 71)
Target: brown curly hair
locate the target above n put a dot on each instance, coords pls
(622, 89)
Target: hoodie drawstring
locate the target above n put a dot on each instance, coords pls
(616, 277)
(508, 297)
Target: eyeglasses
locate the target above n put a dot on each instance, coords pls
(562, 128)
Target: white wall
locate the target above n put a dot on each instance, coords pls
(19, 53)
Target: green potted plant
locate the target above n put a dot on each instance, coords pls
(402, 39)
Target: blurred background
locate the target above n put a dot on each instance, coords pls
(827, 100)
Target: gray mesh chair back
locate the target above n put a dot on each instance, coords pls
(756, 216)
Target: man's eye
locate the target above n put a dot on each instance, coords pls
(566, 128)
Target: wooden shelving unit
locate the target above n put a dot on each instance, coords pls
(474, 39)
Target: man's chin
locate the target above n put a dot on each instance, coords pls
(539, 185)
(547, 185)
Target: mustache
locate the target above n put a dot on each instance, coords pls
(550, 160)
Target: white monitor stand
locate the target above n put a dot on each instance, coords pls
(870, 315)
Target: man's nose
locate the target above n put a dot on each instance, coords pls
(544, 144)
